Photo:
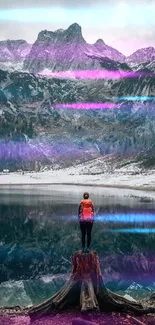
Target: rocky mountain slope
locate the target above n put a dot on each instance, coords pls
(13, 53)
(67, 50)
(141, 56)
(142, 60)
(32, 127)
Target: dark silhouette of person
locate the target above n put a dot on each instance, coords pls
(86, 218)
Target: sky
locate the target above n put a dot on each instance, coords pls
(126, 25)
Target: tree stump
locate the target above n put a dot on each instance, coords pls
(86, 291)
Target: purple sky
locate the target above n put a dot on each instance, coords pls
(127, 25)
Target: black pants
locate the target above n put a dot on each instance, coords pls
(86, 227)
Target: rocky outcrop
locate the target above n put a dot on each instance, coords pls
(13, 50)
(13, 53)
(67, 50)
(108, 51)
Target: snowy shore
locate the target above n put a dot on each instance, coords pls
(90, 173)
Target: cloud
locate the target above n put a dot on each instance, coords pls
(49, 3)
(66, 3)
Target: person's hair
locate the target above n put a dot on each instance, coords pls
(86, 195)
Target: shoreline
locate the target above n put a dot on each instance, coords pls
(117, 186)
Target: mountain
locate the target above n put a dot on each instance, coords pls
(141, 56)
(108, 51)
(148, 66)
(63, 50)
(67, 50)
(31, 125)
(13, 53)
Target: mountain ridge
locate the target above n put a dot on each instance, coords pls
(66, 49)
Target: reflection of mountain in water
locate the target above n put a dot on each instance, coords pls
(30, 292)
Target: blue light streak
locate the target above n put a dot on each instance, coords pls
(126, 217)
(134, 230)
(137, 98)
(121, 218)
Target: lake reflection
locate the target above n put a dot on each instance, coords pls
(39, 231)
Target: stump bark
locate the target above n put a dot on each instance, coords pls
(86, 291)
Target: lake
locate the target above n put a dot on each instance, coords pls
(39, 233)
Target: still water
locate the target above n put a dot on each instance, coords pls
(39, 232)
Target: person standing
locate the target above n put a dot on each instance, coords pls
(86, 219)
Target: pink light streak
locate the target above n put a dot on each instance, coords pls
(87, 106)
(94, 74)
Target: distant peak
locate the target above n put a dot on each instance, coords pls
(75, 27)
(99, 42)
(43, 33)
(74, 32)
(150, 48)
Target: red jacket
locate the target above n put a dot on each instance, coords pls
(86, 210)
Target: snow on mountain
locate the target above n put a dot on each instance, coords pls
(11, 66)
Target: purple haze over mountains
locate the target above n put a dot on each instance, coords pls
(40, 150)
